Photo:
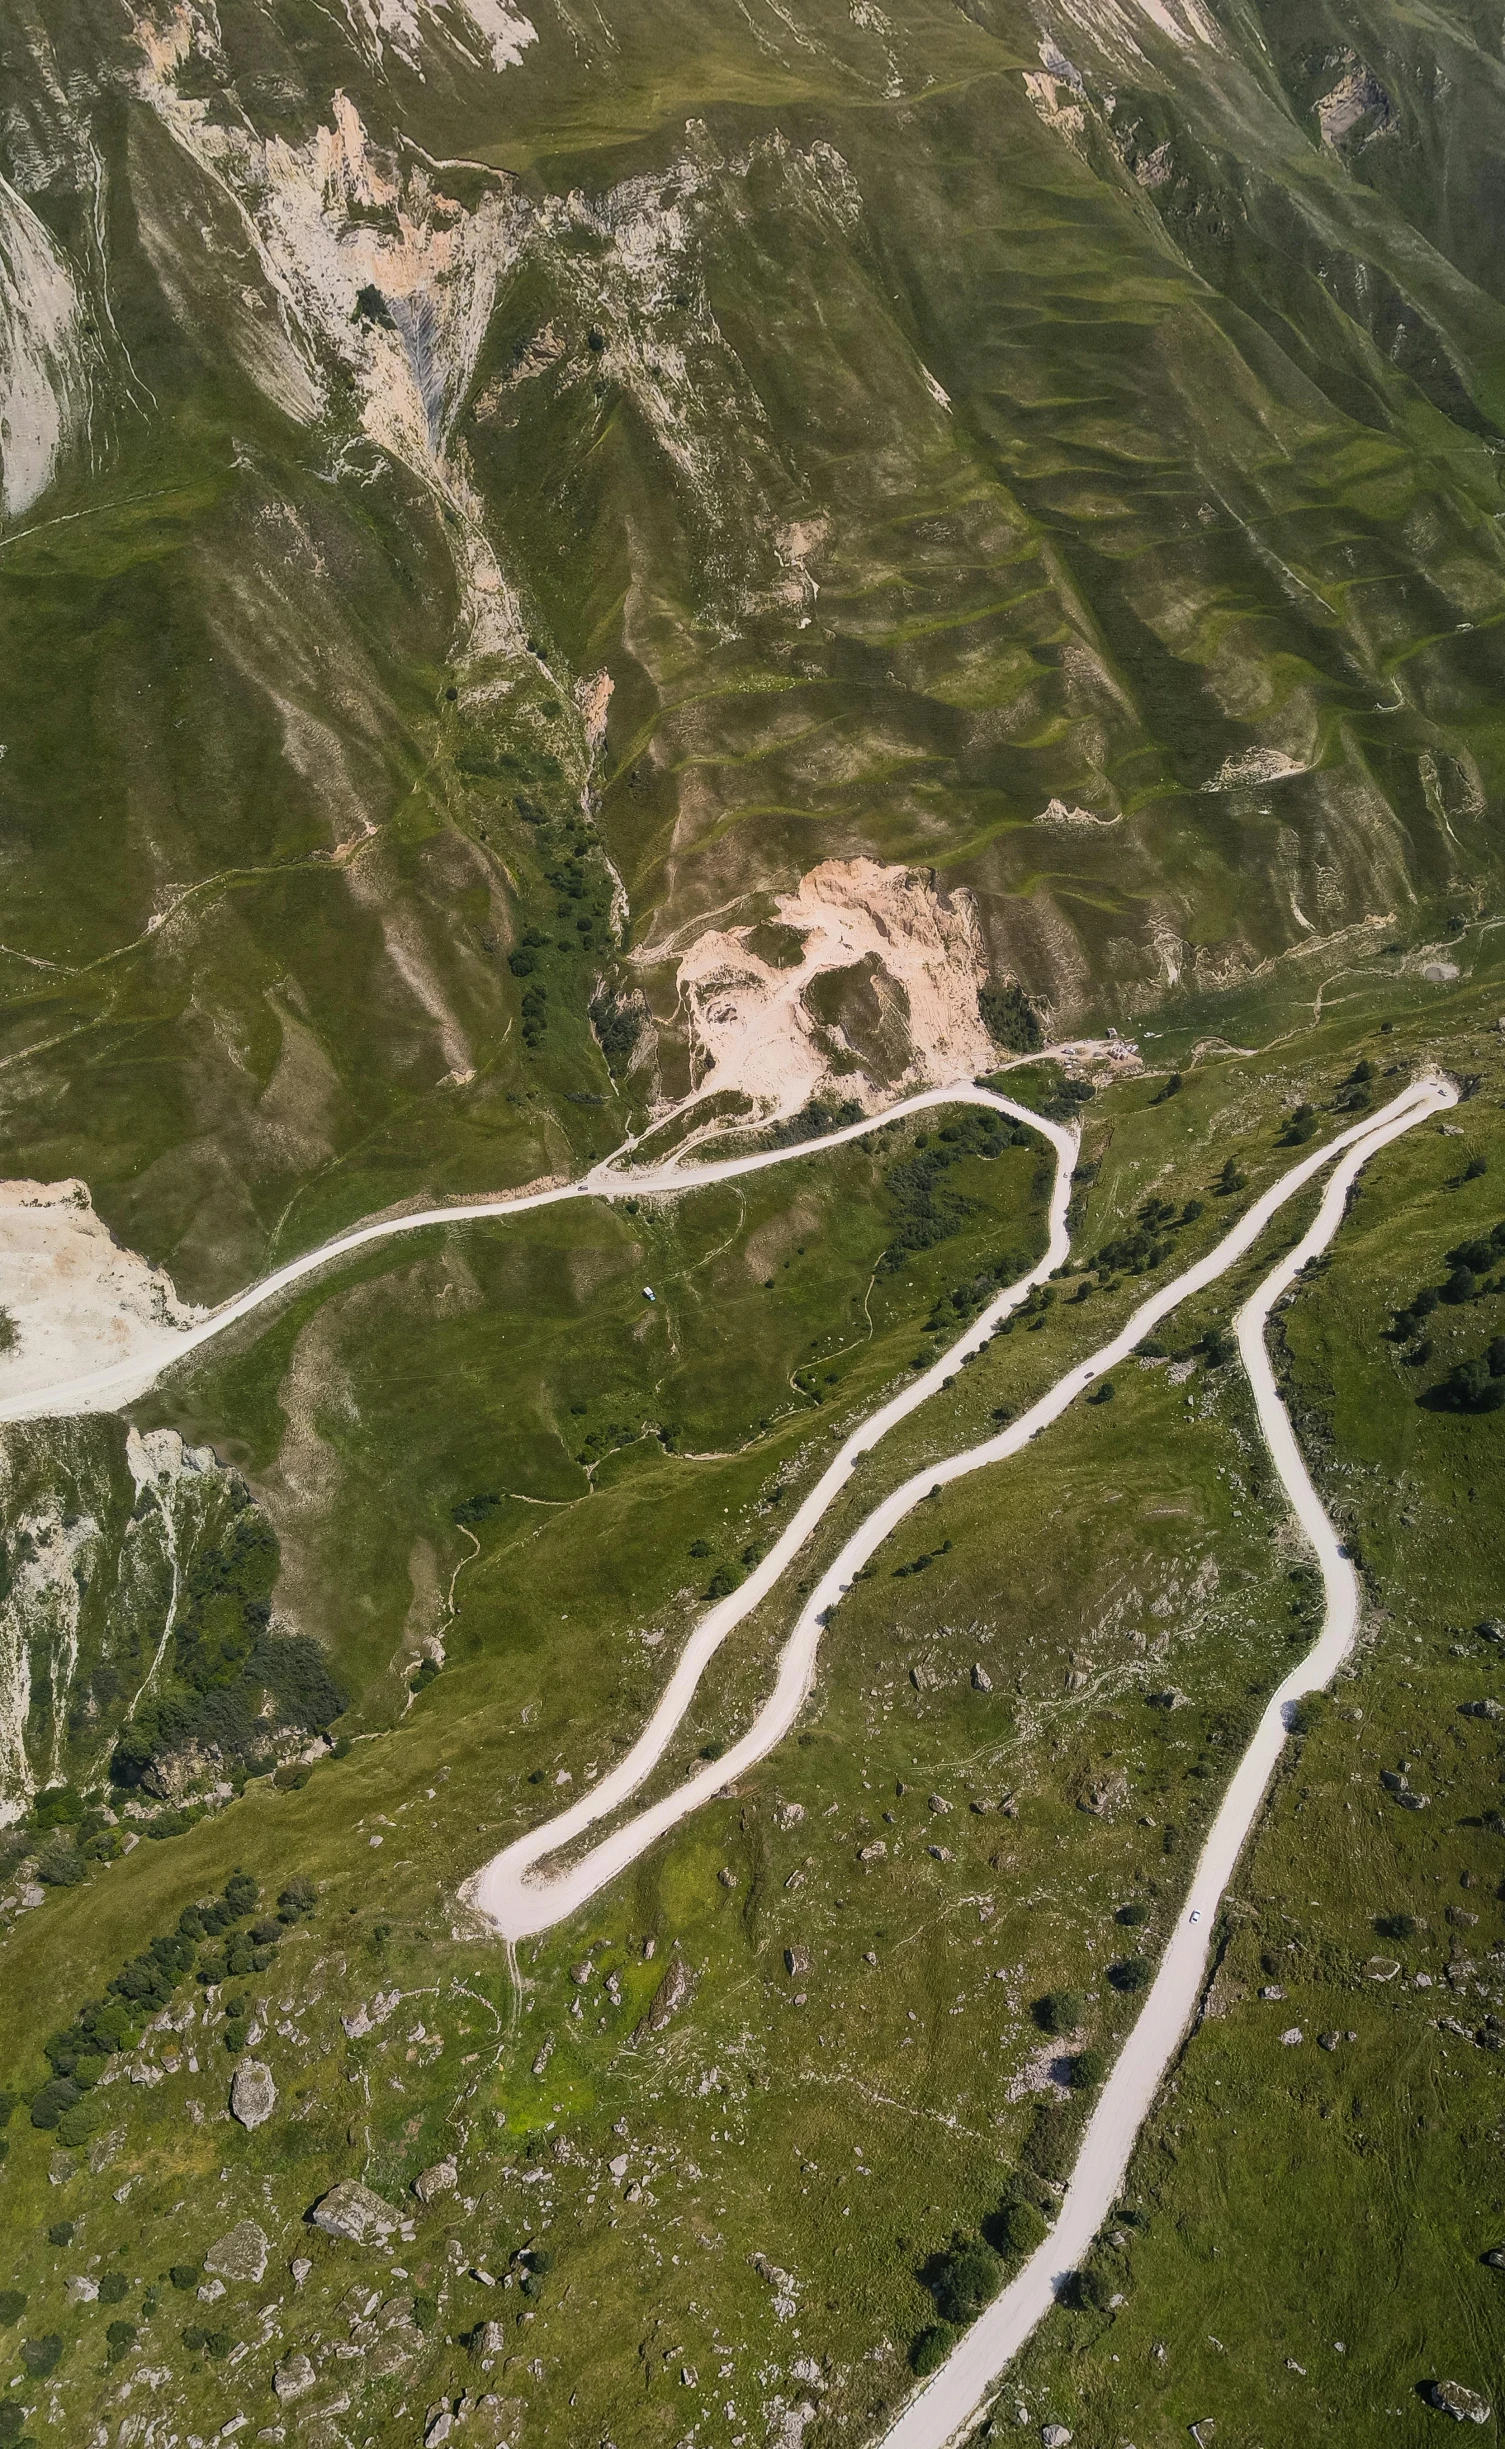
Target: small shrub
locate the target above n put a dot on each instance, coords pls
(241, 1893)
(12, 2306)
(1396, 1925)
(1134, 1914)
(49, 2104)
(964, 2279)
(1016, 2228)
(42, 2355)
(83, 2120)
(1092, 2290)
(120, 2338)
(1088, 2069)
(185, 2275)
(930, 2349)
(1060, 2011)
(62, 1865)
(1129, 1974)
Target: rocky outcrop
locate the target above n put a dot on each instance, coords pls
(253, 2094)
(350, 2210)
(240, 2254)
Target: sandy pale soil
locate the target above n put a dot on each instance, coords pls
(77, 1301)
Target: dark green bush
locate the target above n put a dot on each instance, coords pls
(1088, 2069)
(42, 2355)
(1060, 2011)
(114, 2287)
(49, 2104)
(1092, 2289)
(930, 2349)
(120, 2339)
(12, 2305)
(186, 2275)
(1134, 1914)
(1016, 2228)
(1129, 1974)
(963, 2279)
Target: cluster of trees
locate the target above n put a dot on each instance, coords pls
(926, 1209)
(967, 2274)
(1477, 1384)
(1009, 1018)
(1149, 1245)
(618, 1024)
(226, 1659)
(814, 1120)
(80, 2054)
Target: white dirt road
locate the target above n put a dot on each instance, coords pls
(521, 1899)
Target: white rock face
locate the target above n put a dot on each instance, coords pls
(79, 1301)
(924, 959)
(44, 384)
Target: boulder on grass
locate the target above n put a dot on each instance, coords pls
(350, 2210)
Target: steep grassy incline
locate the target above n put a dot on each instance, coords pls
(485, 492)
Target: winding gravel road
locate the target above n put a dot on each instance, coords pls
(520, 1903)
(957, 2392)
(521, 1900)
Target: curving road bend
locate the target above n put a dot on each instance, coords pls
(957, 2392)
(106, 1389)
(521, 1903)
(509, 1889)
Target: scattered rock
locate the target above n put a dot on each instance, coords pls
(490, 2339)
(982, 1681)
(1054, 2436)
(300, 2269)
(789, 1815)
(668, 1998)
(440, 2424)
(1496, 2257)
(81, 2290)
(797, 1959)
(540, 2063)
(1293, 2038)
(1380, 1968)
(727, 1876)
(939, 1853)
(211, 2291)
(293, 2378)
(876, 1852)
(442, 2178)
(1272, 1990)
(580, 1973)
(937, 1802)
(1464, 2405)
(1482, 1709)
(1106, 1797)
(253, 2094)
(352, 2211)
(1328, 2040)
(242, 2254)
(619, 2166)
